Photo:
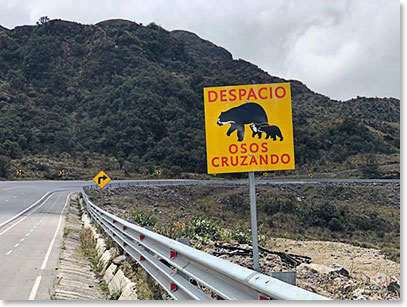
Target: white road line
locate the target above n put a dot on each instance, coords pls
(35, 288)
(53, 205)
(44, 263)
(4, 231)
(24, 211)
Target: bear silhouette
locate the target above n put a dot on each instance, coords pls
(270, 131)
(255, 131)
(244, 114)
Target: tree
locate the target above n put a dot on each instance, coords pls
(42, 20)
(4, 166)
(371, 168)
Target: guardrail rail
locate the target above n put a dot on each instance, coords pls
(185, 272)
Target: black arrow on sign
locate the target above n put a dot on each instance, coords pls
(101, 178)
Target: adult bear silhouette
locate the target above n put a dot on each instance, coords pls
(248, 113)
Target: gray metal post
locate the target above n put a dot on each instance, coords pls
(253, 215)
(102, 196)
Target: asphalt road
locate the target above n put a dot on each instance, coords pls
(32, 217)
(30, 244)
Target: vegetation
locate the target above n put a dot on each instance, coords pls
(142, 218)
(367, 215)
(126, 97)
(88, 248)
(242, 235)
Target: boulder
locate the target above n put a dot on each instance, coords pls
(119, 260)
(109, 274)
(129, 292)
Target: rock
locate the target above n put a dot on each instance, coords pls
(119, 260)
(129, 292)
(109, 274)
(343, 272)
(104, 260)
(374, 287)
(347, 287)
(381, 278)
(323, 269)
(118, 282)
(394, 287)
(358, 292)
(100, 245)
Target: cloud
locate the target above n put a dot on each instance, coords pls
(359, 55)
(341, 48)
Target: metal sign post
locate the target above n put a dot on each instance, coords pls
(102, 196)
(253, 215)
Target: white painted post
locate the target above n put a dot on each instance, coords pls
(253, 215)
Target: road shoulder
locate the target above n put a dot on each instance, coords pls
(75, 279)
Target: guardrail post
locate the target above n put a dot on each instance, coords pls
(151, 229)
(288, 277)
(187, 242)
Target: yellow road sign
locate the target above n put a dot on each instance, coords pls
(19, 172)
(61, 173)
(249, 128)
(101, 179)
(310, 175)
(159, 172)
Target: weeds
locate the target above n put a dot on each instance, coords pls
(206, 228)
(115, 295)
(143, 218)
(242, 235)
(88, 246)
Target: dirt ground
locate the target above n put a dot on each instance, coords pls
(360, 262)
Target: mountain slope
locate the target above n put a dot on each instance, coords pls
(131, 95)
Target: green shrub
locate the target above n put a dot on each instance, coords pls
(143, 218)
(242, 235)
(335, 225)
(206, 229)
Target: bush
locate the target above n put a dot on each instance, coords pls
(335, 225)
(242, 235)
(207, 229)
(371, 168)
(143, 218)
(4, 166)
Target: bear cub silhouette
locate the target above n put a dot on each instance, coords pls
(248, 113)
(270, 131)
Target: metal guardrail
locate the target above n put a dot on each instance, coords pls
(163, 182)
(185, 272)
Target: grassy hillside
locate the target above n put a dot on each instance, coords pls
(132, 94)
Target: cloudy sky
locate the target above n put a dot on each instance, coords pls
(340, 48)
